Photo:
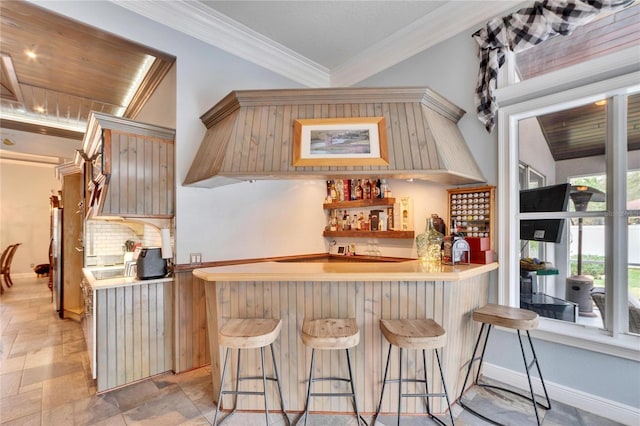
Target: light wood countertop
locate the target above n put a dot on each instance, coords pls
(117, 281)
(412, 270)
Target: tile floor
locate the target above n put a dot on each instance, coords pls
(45, 380)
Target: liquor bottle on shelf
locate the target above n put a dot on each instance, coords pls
(346, 189)
(333, 226)
(378, 189)
(346, 223)
(339, 190)
(333, 192)
(353, 190)
(367, 190)
(384, 189)
(359, 190)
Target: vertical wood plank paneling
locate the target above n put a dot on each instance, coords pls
(168, 327)
(412, 134)
(131, 163)
(163, 182)
(128, 334)
(155, 189)
(148, 175)
(137, 332)
(123, 159)
(267, 146)
(101, 305)
(133, 333)
(153, 326)
(254, 139)
(145, 329)
(138, 183)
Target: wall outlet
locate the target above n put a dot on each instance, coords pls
(195, 258)
(31, 265)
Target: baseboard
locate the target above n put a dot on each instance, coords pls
(613, 410)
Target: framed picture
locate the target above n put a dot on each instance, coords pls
(340, 142)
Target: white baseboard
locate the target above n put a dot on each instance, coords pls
(613, 410)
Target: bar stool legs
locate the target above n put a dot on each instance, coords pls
(528, 365)
(312, 379)
(419, 334)
(426, 395)
(249, 334)
(331, 334)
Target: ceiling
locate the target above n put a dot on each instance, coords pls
(315, 43)
(51, 81)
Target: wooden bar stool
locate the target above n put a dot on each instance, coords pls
(330, 334)
(249, 334)
(515, 318)
(420, 334)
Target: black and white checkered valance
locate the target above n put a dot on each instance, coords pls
(524, 29)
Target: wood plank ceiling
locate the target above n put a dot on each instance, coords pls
(76, 69)
(580, 132)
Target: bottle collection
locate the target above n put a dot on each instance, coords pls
(374, 220)
(357, 189)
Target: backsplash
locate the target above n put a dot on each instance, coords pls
(104, 241)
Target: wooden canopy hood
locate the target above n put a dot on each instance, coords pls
(250, 135)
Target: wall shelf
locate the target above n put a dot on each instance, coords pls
(370, 234)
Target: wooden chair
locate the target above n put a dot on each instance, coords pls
(6, 265)
(241, 333)
(517, 319)
(331, 334)
(420, 334)
(5, 253)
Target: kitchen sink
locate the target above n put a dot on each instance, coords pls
(105, 274)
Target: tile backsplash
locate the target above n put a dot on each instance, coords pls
(104, 241)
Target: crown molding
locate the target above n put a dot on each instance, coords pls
(199, 21)
(439, 25)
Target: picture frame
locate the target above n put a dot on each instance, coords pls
(355, 141)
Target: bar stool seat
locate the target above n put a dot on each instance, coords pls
(517, 319)
(249, 333)
(330, 334)
(241, 333)
(420, 334)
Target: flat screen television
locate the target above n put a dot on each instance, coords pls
(554, 198)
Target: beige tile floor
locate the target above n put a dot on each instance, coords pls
(45, 379)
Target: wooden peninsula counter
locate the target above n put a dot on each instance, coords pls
(364, 291)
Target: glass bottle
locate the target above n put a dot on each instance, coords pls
(367, 190)
(359, 190)
(429, 243)
(353, 190)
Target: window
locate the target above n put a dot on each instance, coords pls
(529, 178)
(603, 164)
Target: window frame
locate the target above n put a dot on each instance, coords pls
(612, 76)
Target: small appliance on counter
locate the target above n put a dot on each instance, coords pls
(150, 264)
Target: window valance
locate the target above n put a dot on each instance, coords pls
(524, 29)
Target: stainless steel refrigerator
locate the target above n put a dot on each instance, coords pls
(56, 258)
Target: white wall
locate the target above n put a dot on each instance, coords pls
(25, 189)
(534, 150)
